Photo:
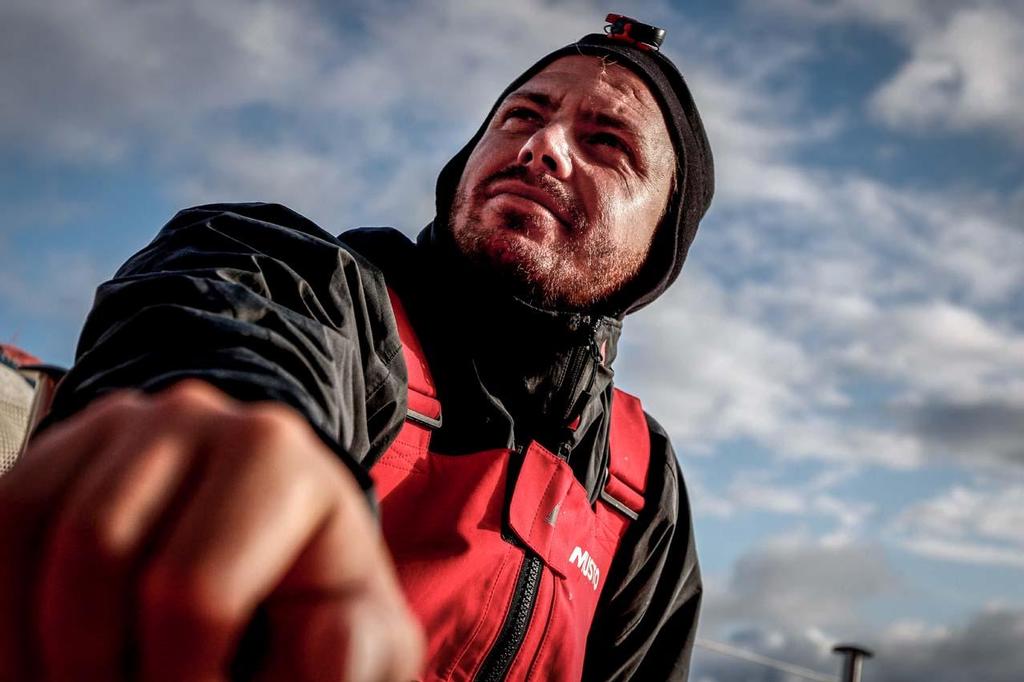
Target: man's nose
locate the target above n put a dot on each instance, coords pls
(547, 151)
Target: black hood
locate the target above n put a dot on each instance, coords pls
(694, 172)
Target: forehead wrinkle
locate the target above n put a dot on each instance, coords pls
(541, 99)
(636, 98)
(636, 113)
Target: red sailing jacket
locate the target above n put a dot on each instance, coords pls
(498, 606)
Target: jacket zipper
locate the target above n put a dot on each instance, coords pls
(524, 597)
(520, 610)
(517, 621)
(574, 373)
(577, 365)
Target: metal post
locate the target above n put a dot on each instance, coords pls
(853, 660)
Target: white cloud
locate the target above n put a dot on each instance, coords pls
(902, 288)
(845, 283)
(88, 81)
(270, 100)
(233, 170)
(706, 501)
(963, 76)
(939, 349)
(965, 552)
(978, 525)
(962, 72)
(912, 16)
(753, 130)
(760, 491)
(710, 374)
(762, 496)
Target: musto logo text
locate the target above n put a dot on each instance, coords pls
(586, 565)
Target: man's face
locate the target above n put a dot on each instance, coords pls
(562, 195)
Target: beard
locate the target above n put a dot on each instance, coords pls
(576, 273)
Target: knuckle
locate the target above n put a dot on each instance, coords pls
(191, 596)
(271, 425)
(113, 406)
(98, 540)
(187, 394)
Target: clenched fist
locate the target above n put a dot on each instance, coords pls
(141, 537)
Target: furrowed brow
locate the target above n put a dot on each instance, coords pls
(609, 121)
(541, 99)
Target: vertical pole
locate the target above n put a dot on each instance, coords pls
(853, 660)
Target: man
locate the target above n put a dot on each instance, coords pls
(536, 517)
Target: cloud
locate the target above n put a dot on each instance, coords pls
(826, 313)
(961, 72)
(986, 647)
(990, 432)
(940, 347)
(977, 525)
(962, 76)
(711, 374)
(755, 130)
(853, 331)
(962, 379)
(233, 170)
(796, 583)
(756, 492)
(912, 16)
(90, 80)
(790, 599)
(346, 115)
(793, 599)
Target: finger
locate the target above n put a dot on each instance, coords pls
(340, 608)
(84, 604)
(29, 493)
(260, 503)
(356, 636)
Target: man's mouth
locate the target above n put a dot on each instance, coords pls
(536, 195)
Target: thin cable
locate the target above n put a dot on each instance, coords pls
(736, 652)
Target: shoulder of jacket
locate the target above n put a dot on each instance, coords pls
(666, 486)
(389, 251)
(270, 213)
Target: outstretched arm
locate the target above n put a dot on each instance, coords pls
(154, 518)
(260, 302)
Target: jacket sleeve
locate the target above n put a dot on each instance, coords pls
(646, 620)
(262, 303)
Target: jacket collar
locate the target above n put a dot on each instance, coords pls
(543, 367)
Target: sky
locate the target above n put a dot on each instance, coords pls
(840, 365)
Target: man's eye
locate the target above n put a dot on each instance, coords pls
(522, 113)
(609, 140)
